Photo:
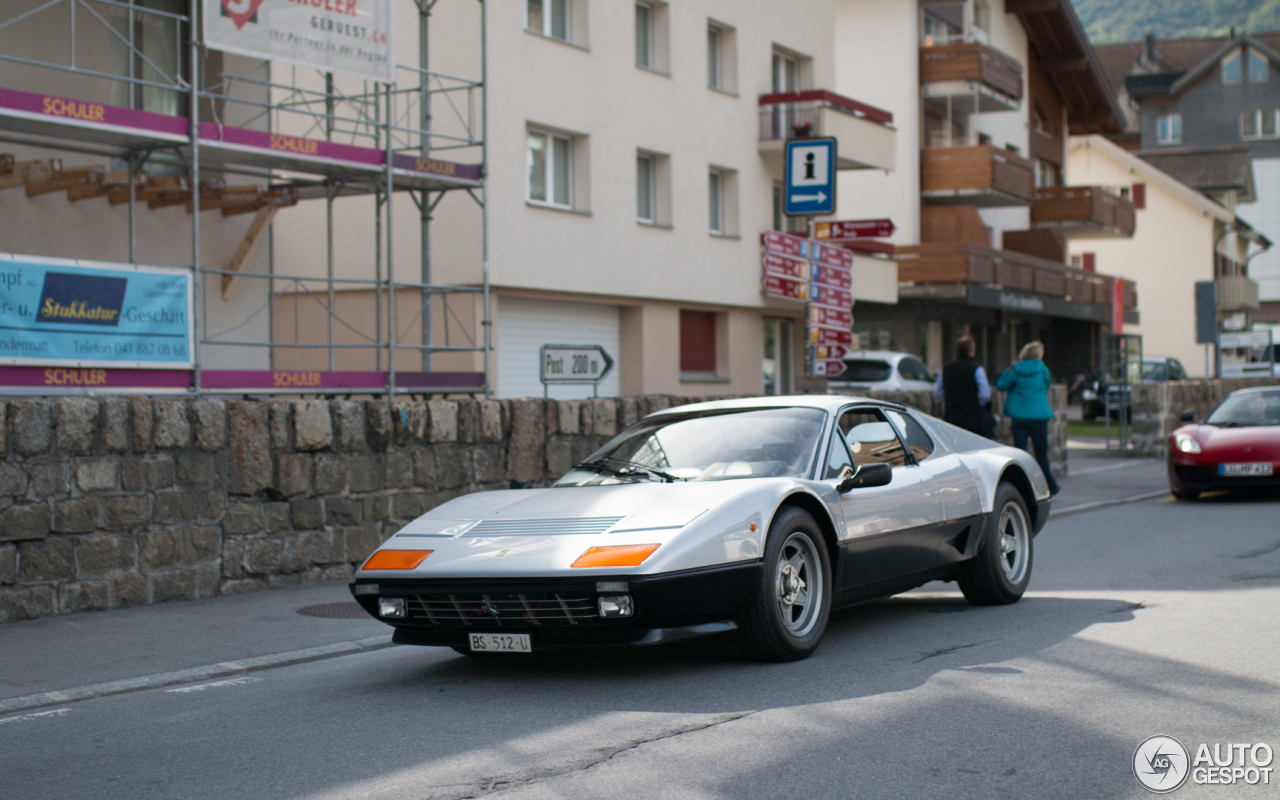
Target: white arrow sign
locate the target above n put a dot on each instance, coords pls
(809, 198)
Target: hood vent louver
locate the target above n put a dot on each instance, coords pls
(567, 526)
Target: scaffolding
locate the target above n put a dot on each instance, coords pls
(306, 136)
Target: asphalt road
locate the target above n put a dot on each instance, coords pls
(1150, 618)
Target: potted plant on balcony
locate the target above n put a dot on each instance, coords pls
(802, 130)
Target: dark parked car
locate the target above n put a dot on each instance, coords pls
(1155, 369)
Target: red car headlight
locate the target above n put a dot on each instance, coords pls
(1186, 443)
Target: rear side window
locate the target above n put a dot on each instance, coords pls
(913, 370)
(871, 438)
(868, 370)
(918, 440)
(1176, 371)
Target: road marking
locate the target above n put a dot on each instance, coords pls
(54, 712)
(215, 685)
(1062, 512)
(203, 673)
(1071, 473)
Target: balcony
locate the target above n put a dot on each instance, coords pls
(1237, 293)
(1083, 212)
(957, 269)
(980, 175)
(972, 77)
(865, 136)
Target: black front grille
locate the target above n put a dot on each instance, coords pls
(503, 610)
(1196, 475)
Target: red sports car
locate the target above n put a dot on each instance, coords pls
(1236, 447)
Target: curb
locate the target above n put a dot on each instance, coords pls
(1119, 501)
(219, 670)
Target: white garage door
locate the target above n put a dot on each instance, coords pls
(525, 325)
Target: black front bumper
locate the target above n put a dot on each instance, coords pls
(561, 612)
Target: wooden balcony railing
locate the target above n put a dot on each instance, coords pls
(968, 173)
(1083, 207)
(959, 262)
(971, 61)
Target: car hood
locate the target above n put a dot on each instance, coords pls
(1261, 443)
(540, 532)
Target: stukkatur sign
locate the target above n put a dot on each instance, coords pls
(350, 37)
(56, 312)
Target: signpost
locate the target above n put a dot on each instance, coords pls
(573, 364)
(850, 229)
(786, 266)
(786, 288)
(810, 185)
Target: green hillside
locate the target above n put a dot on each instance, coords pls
(1109, 21)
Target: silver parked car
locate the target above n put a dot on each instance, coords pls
(883, 371)
(750, 517)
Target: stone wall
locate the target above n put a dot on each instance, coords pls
(1158, 406)
(115, 502)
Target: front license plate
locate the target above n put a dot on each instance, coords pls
(500, 643)
(1244, 470)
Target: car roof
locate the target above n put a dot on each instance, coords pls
(885, 354)
(826, 402)
(1255, 390)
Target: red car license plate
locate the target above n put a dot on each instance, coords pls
(1245, 470)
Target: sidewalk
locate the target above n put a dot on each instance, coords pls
(1096, 478)
(103, 653)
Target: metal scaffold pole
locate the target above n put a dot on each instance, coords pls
(328, 209)
(197, 287)
(484, 184)
(424, 101)
(391, 287)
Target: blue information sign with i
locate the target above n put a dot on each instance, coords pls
(810, 177)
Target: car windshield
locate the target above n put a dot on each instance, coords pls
(752, 443)
(1247, 409)
(1154, 371)
(870, 370)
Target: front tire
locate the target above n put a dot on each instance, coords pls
(787, 614)
(1001, 570)
(1178, 494)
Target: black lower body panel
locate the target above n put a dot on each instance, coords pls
(562, 612)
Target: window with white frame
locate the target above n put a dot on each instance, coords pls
(1046, 174)
(1231, 68)
(550, 169)
(549, 18)
(715, 57)
(1259, 70)
(1259, 123)
(1169, 129)
(646, 196)
(716, 201)
(644, 35)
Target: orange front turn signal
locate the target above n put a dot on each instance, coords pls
(396, 559)
(619, 555)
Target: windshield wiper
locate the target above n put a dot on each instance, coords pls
(625, 468)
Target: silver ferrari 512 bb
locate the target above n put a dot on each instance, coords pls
(752, 517)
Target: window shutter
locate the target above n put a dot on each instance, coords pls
(1139, 195)
(1087, 261)
(697, 341)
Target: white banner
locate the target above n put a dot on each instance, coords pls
(350, 37)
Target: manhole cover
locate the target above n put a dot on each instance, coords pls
(335, 611)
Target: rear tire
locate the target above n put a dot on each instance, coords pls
(1001, 570)
(787, 613)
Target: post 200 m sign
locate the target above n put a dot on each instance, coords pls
(574, 363)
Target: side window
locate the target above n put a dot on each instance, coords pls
(918, 440)
(871, 438)
(1176, 371)
(838, 457)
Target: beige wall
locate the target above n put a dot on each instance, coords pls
(1170, 250)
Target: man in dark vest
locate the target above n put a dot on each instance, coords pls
(962, 387)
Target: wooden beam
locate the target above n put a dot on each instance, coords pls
(110, 182)
(1058, 66)
(19, 172)
(1030, 6)
(65, 179)
(247, 245)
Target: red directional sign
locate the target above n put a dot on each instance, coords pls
(827, 368)
(832, 276)
(833, 317)
(819, 335)
(854, 229)
(786, 266)
(830, 351)
(786, 288)
(835, 256)
(831, 297)
(786, 243)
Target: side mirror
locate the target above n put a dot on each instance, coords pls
(865, 476)
(1188, 416)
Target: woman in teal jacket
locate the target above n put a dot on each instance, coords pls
(1027, 405)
